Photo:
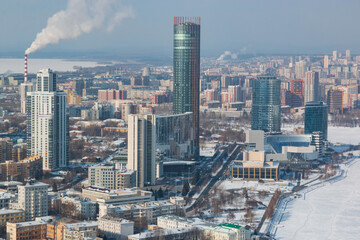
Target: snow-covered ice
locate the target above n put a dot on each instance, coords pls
(16, 65)
(329, 212)
(344, 135)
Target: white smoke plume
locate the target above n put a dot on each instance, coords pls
(227, 55)
(80, 17)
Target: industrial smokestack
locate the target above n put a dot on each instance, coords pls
(25, 70)
(80, 17)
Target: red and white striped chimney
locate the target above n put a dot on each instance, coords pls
(25, 73)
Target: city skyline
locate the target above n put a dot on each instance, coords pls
(290, 28)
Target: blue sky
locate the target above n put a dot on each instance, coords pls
(252, 26)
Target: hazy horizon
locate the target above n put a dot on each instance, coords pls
(249, 27)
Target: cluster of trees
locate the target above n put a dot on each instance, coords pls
(273, 202)
(158, 194)
(330, 171)
(13, 121)
(64, 209)
(93, 131)
(349, 119)
(186, 189)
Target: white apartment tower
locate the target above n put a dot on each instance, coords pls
(300, 68)
(47, 123)
(141, 148)
(33, 199)
(311, 88)
(24, 89)
(326, 61)
(334, 55)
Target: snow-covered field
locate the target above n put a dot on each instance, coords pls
(331, 211)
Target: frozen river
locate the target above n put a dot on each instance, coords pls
(16, 65)
(328, 212)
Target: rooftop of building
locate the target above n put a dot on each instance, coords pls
(10, 211)
(164, 232)
(114, 219)
(35, 184)
(30, 223)
(230, 225)
(177, 218)
(81, 224)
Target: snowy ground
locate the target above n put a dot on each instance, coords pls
(329, 211)
(238, 205)
(344, 135)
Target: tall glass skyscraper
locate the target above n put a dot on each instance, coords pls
(266, 101)
(187, 70)
(316, 118)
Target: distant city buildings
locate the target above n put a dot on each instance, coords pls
(111, 94)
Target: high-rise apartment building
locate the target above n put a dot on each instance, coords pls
(24, 89)
(141, 148)
(334, 55)
(187, 70)
(265, 112)
(335, 100)
(6, 145)
(326, 61)
(33, 199)
(47, 123)
(236, 94)
(297, 92)
(316, 118)
(348, 54)
(311, 87)
(300, 68)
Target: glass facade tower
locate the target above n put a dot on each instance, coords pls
(316, 118)
(266, 101)
(187, 70)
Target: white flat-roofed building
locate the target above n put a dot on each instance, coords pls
(84, 208)
(149, 210)
(115, 228)
(4, 199)
(107, 176)
(172, 221)
(33, 199)
(116, 197)
(80, 231)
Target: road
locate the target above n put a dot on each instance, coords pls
(205, 193)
